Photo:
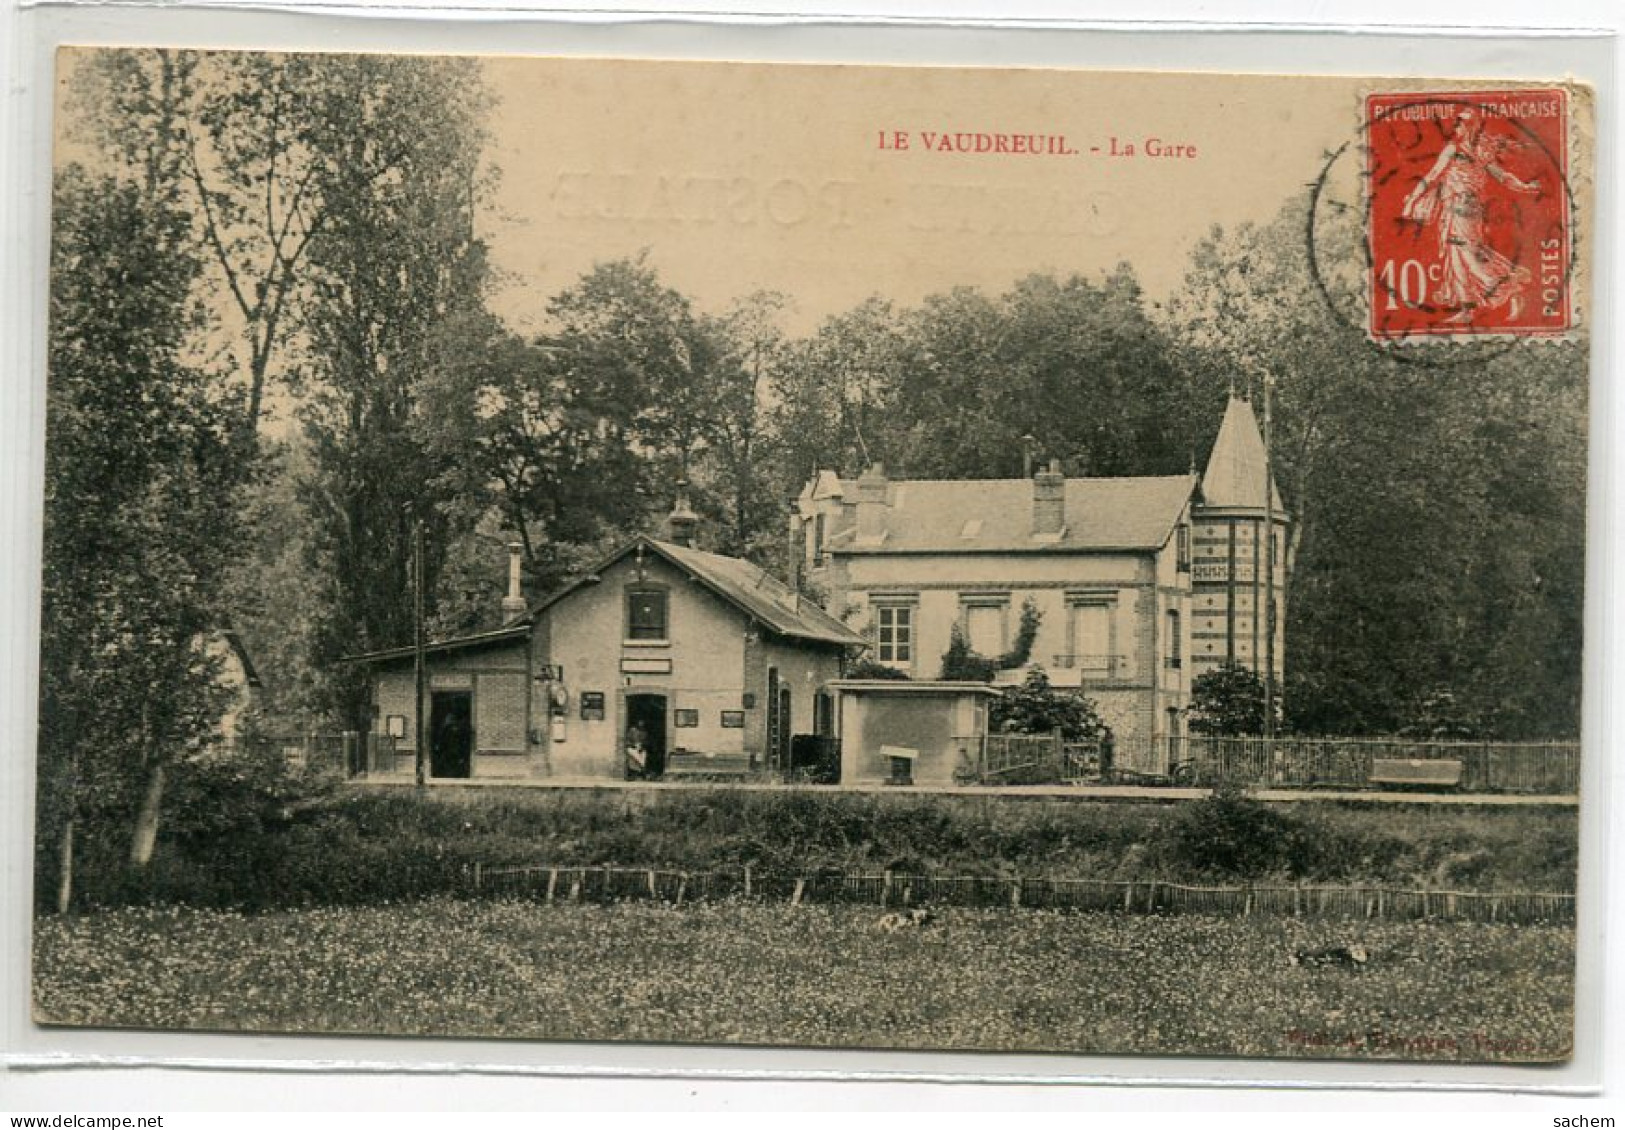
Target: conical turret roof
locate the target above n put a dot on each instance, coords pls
(1235, 470)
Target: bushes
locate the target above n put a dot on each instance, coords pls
(1234, 836)
(358, 846)
(1035, 707)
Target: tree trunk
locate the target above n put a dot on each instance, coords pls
(64, 886)
(146, 821)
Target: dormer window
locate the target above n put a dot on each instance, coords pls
(646, 610)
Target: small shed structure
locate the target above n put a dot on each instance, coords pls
(908, 732)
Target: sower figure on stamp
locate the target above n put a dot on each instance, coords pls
(1451, 197)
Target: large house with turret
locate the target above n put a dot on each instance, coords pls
(1141, 584)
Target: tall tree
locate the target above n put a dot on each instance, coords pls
(243, 142)
(967, 384)
(140, 522)
(753, 357)
(831, 398)
(577, 437)
(396, 274)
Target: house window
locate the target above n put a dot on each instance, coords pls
(1176, 645)
(896, 633)
(646, 614)
(984, 626)
(686, 719)
(1091, 638)
(1182, 541)
(818, 540)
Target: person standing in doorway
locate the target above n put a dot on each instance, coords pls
(637, 753)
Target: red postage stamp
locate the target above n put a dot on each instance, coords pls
(1469, 224)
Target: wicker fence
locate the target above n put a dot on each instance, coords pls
(897, 889)
(1541, 768)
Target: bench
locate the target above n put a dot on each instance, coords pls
(1443, 772)
(681, 763)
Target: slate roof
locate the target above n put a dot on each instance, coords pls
(1235, 469)
(758, 594)
(504, 635)
(753, 591)
(996, 515)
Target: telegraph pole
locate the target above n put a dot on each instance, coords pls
(1269, 561)
(419, 669)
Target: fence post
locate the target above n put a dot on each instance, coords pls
(552, 882)
(478, 871)
(801, 885)
(747, 880)
(885, 889)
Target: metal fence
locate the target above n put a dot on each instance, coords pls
(1540, 768)
(899, 889)
(1034, 759)
(346, 754)
(1351, 763)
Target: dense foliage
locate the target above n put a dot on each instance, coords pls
(1437, 502)
(962, 663)
(1227, 701)
(1035, 707)
(139, 526)
(252, 843)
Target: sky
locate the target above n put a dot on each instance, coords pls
(739, 177)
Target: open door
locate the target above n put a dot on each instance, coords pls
(646, 731)
(451, 734)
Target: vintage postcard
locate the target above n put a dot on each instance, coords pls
(822, 556)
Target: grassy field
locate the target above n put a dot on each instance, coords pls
(818, 976)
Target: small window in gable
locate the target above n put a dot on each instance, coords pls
(646, 614)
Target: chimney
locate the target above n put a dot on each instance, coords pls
(513, 605)
(872, 504)
(682, 521)
(1049, 501)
